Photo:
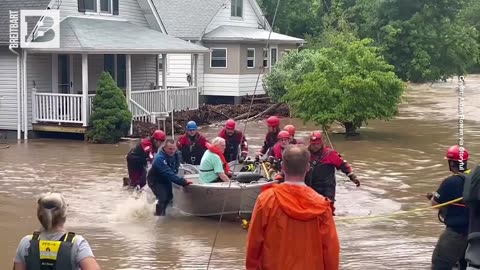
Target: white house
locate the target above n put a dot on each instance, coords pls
(236, 31)
(51, 89)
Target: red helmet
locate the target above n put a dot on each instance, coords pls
(159, 135)
(316, 137)
(290, 129)
(273, 121)
(453, 153)
(283, 135)
(230, 124)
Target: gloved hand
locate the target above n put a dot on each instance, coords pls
(354, 179)
(188, 182)
(429, 195)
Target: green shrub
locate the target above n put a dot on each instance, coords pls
(110, 119)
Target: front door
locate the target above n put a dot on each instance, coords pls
(64, 80)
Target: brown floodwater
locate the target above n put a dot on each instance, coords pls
(397, 161)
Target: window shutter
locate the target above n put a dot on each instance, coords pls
(115, 7)
(81, 5)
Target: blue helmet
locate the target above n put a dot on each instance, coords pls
(191, 125)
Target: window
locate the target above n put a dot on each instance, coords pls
(265, 57)
(237, 8)
(274, 56)
(218, 58)
(116, 66)
(99, 6)
(161, 62)
(90, 5)
(250, 58)
(109, 64)
(106, 6)
(122, 71)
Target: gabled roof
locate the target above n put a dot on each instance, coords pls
(98, 35)
(187, 19)
(17, 5)
(246, 34)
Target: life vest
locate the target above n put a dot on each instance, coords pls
(50, 255)
(143, 151)
(192, 149)
(232, 144)
(277, 151)
(321, 176)
(215, 150)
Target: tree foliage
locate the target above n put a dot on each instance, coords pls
(350, 83)
(110, 119)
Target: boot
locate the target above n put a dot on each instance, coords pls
(160, 209)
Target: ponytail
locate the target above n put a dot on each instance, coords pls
(51, 211)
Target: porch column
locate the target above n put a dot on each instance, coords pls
(54, 73)
(195, 79)
(128, 88)
(192, 69)
(25, 96)
(85, 90)
(164, 78)
(157, 76)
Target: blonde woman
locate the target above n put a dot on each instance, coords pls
(53, 247)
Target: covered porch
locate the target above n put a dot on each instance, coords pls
(62, 81)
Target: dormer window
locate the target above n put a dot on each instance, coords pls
(98, 6)
(237, 8)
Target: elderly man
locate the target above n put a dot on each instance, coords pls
(214, 166)
(292, 226)
(163, 172)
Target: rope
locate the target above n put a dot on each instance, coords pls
(399, 212)
(328, 137)
(244, 130)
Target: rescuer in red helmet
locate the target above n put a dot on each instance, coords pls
(291, 130)
(323, 163)
(452, 243)
(234, 139)
(271, 138)
(140, 154)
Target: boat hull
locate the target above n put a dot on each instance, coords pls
(215, 199)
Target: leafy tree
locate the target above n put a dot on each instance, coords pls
(110, 119)
(351, 83)
(423, 39)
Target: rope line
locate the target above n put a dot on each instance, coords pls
(399, 212)
(244, 130)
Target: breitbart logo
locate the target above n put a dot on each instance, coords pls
(45, 34)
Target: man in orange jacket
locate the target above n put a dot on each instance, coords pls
(292, 226)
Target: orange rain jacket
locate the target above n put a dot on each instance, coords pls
(292, 228)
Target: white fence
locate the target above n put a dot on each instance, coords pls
(61, 108)
(177, 99)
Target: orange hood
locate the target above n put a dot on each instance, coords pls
(300, 202)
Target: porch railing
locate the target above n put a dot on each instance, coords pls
(177, 99)
(59, 108)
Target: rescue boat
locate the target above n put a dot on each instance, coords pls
(231, 199)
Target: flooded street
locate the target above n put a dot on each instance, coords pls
(397, 161)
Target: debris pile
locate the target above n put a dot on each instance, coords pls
(208, 114)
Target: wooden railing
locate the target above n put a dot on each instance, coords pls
(60, 108)
(177, 99)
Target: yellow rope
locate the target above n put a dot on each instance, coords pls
(398, 213)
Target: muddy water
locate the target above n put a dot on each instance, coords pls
(398, 161)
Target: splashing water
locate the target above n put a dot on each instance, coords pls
(139, 205)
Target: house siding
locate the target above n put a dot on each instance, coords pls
(39, 71)
(143, 72)
(128, 9)
(258, 58)
(223, 17)
(233, 55)
(247, 84)
(8, 89)
(283, 47)
(221, 85)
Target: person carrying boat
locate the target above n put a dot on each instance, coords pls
(192, 144)
(214, 167)
(271, 138)
(452, 243)
(292, 226)
(163, 173)
(234, 140)
(140, 155)
(323, 163)
(291, 130)
(53, 247)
